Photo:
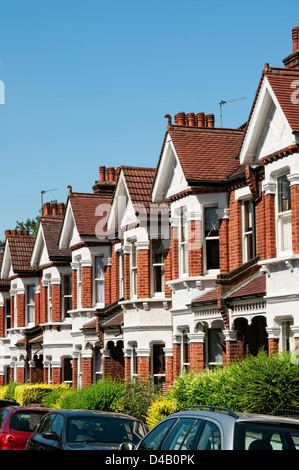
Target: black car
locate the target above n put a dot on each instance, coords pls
(8, 402)
(85, 430)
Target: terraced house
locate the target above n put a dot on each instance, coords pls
(191, 264)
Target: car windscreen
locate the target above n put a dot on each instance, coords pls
(3, 414)
(263, 436)
(104, 429)
(25, 420)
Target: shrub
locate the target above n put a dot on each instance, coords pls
(103, 395)
(258, 384)
(159, 409)
(26, 394)
(137, 397)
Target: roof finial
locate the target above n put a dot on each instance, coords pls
(169, 119)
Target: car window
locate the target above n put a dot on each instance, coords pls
(155, 438)
(182, 435)
(46, 424)
(3, 414)
(25, 421)
(57, 425)
(253, 436)
(210, 437)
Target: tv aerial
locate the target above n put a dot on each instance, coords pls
(222, 102)
(46, 191)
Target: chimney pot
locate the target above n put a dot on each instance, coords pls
(295, 37)
(210, 120)
(20, 232)
(110, 173)
(61, 208)
(14, 232)
(181, 119)
(102, 173)
(200, 119)
(191, 119)
(46, 210)
(54, 208)
(26, 232)
(7, 233)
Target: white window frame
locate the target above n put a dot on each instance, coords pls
(183, 243)
(49, 301)
(283, 222)
(28, 305)
(133, 270)
(246, 234)
(205, 238)
(286, 342)
(64, 296)
(7, 312)
(79, 283)
(155, 266)
(121, 273)
(99, 282)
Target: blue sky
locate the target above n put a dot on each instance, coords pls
(88, 82)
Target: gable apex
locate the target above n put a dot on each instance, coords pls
(268, 130)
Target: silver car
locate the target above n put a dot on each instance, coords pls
(214, 428)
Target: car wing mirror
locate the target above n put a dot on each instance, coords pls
(51, 435)
(127, 446)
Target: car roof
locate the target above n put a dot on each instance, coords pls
(226, 415)
(112, 414)
(27, 408)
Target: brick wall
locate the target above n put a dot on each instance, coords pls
(21, 310)
(235, 234)
(197, 356)
(270, 226)
(87, 371)
(56, 302)
(195, 259)
(74, 289)
(86, 286)
(174, 252)
(114, 275)
(143, 274)
(56, 375)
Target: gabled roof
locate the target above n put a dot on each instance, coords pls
(18, 250)
(3, 282)
(84, 206)
(51, 230)
(284, 89)
(282, 83)
(139, 181)
(207, 155)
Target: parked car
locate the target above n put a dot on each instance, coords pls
(8, 402)
(17, 424)
(215, 428)
(85, 430)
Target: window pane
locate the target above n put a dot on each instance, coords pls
(211, 222)
(178, 434)
(67, 284)
(157, 251)
(284, 194)
(212, 247)
(210, 438)
(155, 439)
(214, 346)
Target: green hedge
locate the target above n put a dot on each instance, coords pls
(258, 384)
(27, 394)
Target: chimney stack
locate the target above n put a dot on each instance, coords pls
(292, 60)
